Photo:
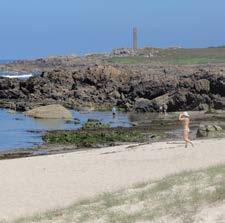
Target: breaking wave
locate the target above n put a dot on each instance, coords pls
(9, 74)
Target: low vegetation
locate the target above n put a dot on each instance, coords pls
(176, 56)
(94, 124)
(94, 137)
(173, 60)
(176, 198)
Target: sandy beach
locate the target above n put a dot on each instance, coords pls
(37, 184)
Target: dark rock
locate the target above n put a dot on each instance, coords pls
(219, 102)
(142, 88)
(209, 131)
(143, 105)
(21, 106)
(76, 121)
(203, 107)
(202, 86)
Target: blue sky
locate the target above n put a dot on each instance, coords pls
(36, 28)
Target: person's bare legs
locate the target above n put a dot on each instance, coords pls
(186, 139)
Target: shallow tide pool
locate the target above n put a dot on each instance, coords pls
(20, 131)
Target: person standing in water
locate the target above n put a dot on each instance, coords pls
(160, 109)
(185, 119)
(165, 107)
(114, 112)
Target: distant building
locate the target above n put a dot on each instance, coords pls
(135, 38)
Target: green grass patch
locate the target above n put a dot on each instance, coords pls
(174, 56)
(186, 60)
(174, 59)
(129, 60)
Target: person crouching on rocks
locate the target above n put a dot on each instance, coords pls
(185, 119)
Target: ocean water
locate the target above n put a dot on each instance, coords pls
(6, 61)
(14, 74)
(20, 131)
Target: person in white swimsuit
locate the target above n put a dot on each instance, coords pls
(185, 119)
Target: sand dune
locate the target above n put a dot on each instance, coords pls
(36, 184)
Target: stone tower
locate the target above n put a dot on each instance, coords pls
(135, 38)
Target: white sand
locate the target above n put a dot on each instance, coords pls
(32, 185)
(213, 214)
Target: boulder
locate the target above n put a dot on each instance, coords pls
(159, 101)
(178, 101)
(202, 86)
(219, 102)
(209, 131)
(21, 106)
(54, 111)
(203, 107)
(143, 105)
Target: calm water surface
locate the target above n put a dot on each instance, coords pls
(20, 131)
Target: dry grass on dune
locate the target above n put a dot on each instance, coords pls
(177, 198)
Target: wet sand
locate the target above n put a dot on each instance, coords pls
(36, 184)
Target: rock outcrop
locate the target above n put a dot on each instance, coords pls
(50, 112)
(143, 88)
(209, 131)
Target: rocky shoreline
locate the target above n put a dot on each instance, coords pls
(140, 88)
(146, 130)
(94, 84)
(63, 141)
